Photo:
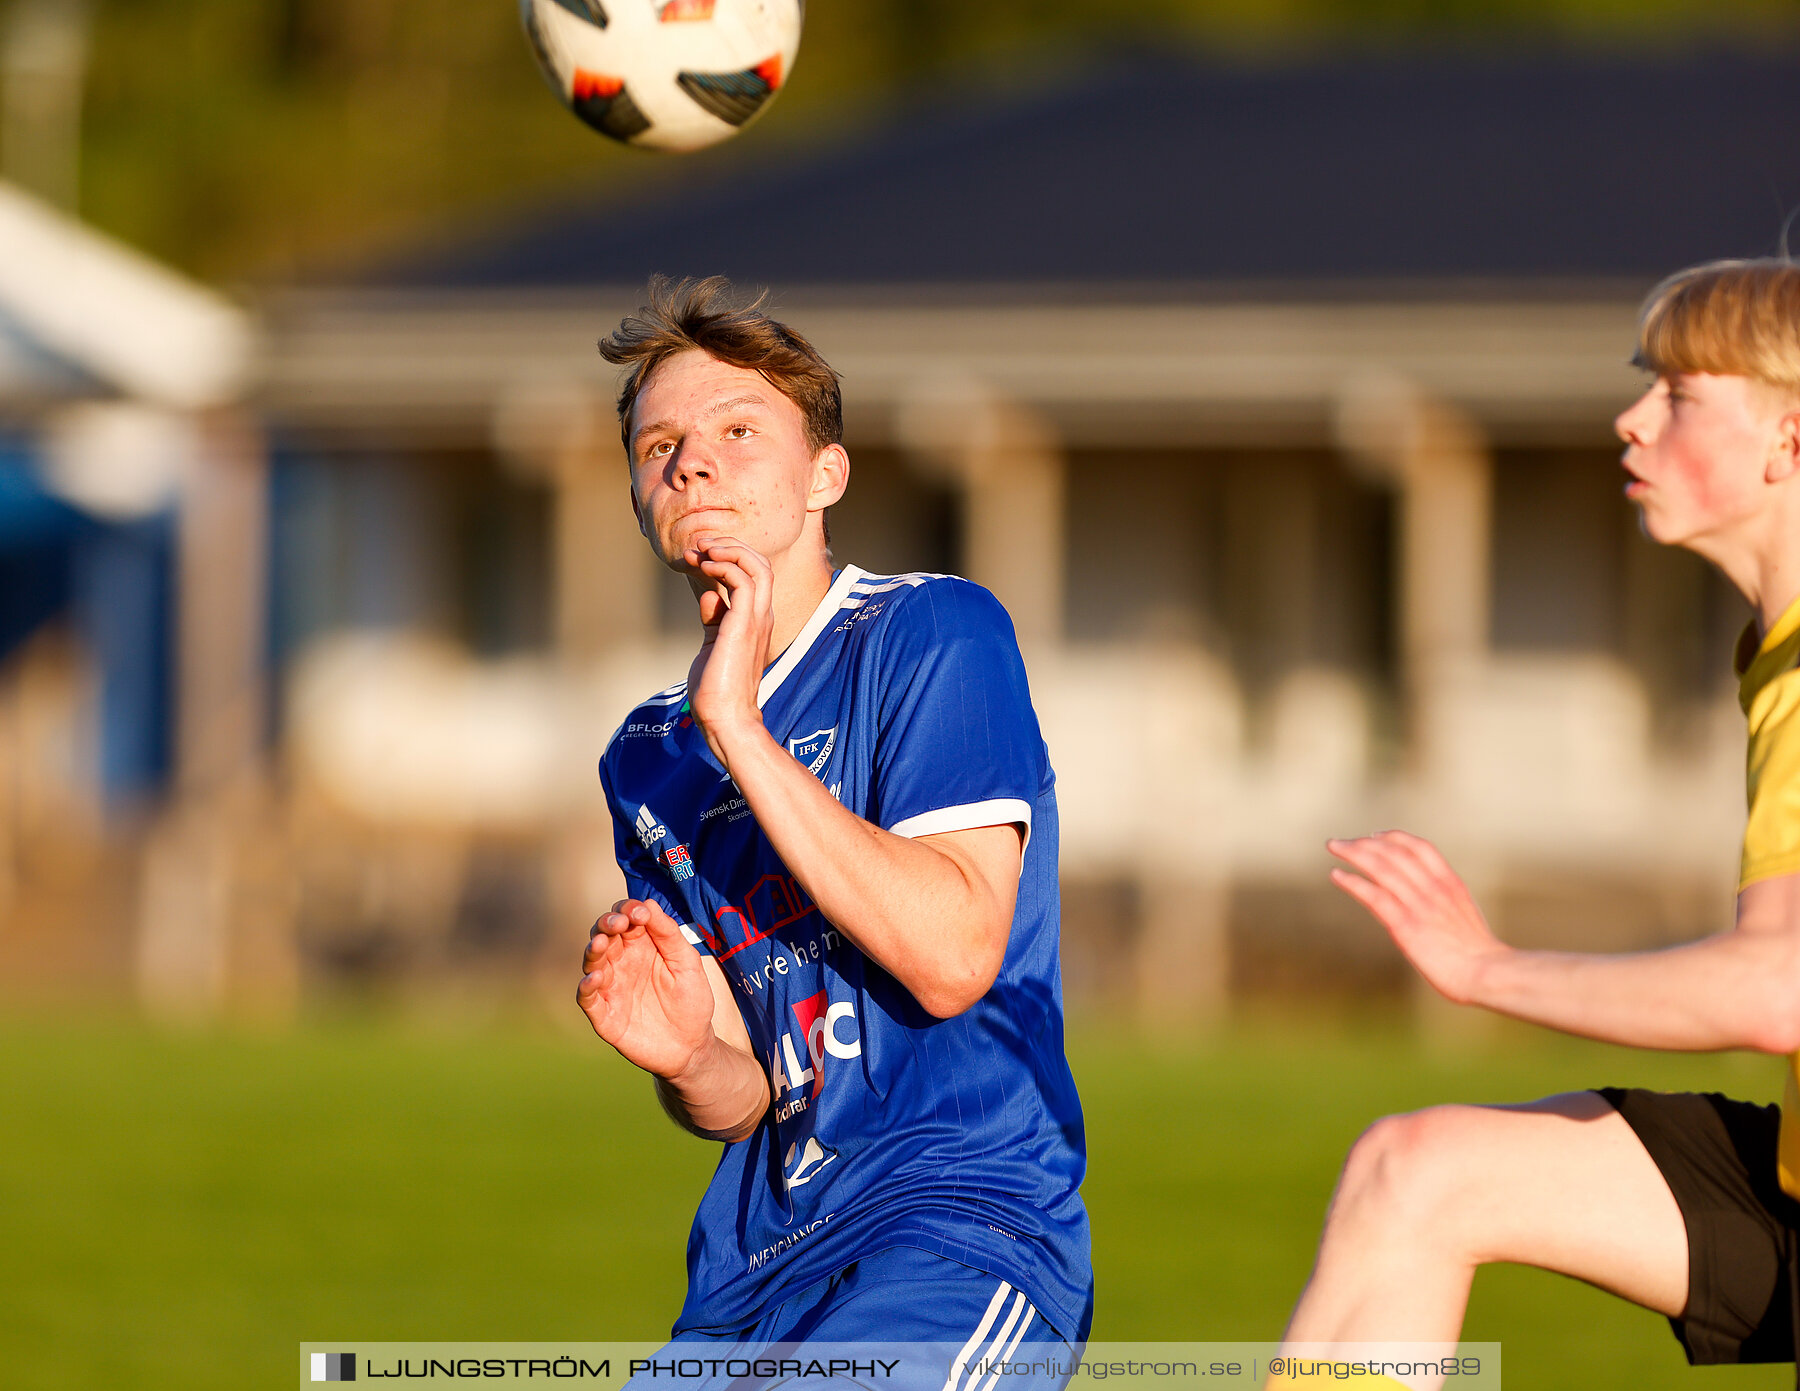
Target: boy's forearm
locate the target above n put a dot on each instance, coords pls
(721, 1095)
(1728, 991)
(926, 919)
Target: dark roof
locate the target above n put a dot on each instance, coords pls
(1159, 172)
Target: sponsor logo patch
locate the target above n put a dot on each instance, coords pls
(814, 750)
(680, 863)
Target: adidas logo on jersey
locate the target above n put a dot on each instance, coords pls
(677, 858)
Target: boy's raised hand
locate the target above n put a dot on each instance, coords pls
(1424, 905)
(644, 989)
(738, 615)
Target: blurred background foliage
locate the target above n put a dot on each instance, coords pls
(262, 139)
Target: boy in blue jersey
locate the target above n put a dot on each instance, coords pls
(839, 956)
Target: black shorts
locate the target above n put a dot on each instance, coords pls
(1718, 1158)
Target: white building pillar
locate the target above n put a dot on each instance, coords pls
(215, 909)
(1437, 459)
(1010, 468)
(604, 576)
(605, 582)
(222, 604)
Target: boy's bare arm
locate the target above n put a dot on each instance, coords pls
(935, 912)
(727, 1092)
(1739, 989)
(669, 1010)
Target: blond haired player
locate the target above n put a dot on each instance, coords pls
(1684, 1204)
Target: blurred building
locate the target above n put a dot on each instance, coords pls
(1278, 397)
(132, 545)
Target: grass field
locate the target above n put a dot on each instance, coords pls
(181, 1211)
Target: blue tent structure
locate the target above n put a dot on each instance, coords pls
(112, 580)
(37, 531)
(85, 322)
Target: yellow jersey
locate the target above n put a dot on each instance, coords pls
(1769, 691)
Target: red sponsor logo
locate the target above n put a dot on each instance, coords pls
(824, 1028)
(775, 901)
(811, 1014)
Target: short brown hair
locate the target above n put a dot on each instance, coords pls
(710, 315)
(1733, 318)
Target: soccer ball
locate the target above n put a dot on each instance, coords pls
(665, 74)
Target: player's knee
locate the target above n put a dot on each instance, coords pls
(1404, 1170)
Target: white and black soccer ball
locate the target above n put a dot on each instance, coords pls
(665, 74)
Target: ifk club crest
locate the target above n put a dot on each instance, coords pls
(814, 750)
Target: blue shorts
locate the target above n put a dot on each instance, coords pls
(906, 1319)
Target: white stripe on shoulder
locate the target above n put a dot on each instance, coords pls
(672, 695)
(960, 1363)
(881, 584)
(802, 643)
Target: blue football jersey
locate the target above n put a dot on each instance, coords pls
(906, 697)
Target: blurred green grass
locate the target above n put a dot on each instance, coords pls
(181, 1210)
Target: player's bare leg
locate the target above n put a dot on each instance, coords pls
(1562, 1183)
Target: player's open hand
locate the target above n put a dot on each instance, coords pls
(1424, 905)
(738, 612)
(644, 990)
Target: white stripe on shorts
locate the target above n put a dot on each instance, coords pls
(1030, 1314)
(992, 1350)
(981, 1331)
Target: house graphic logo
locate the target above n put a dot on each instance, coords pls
(334, 1366)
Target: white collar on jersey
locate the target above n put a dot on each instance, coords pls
(807, 636)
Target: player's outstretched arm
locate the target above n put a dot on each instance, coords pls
(1739, 989)
(669, 1010)
(934, 912)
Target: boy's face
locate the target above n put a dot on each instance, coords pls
(717, 451)
(1702, 451)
